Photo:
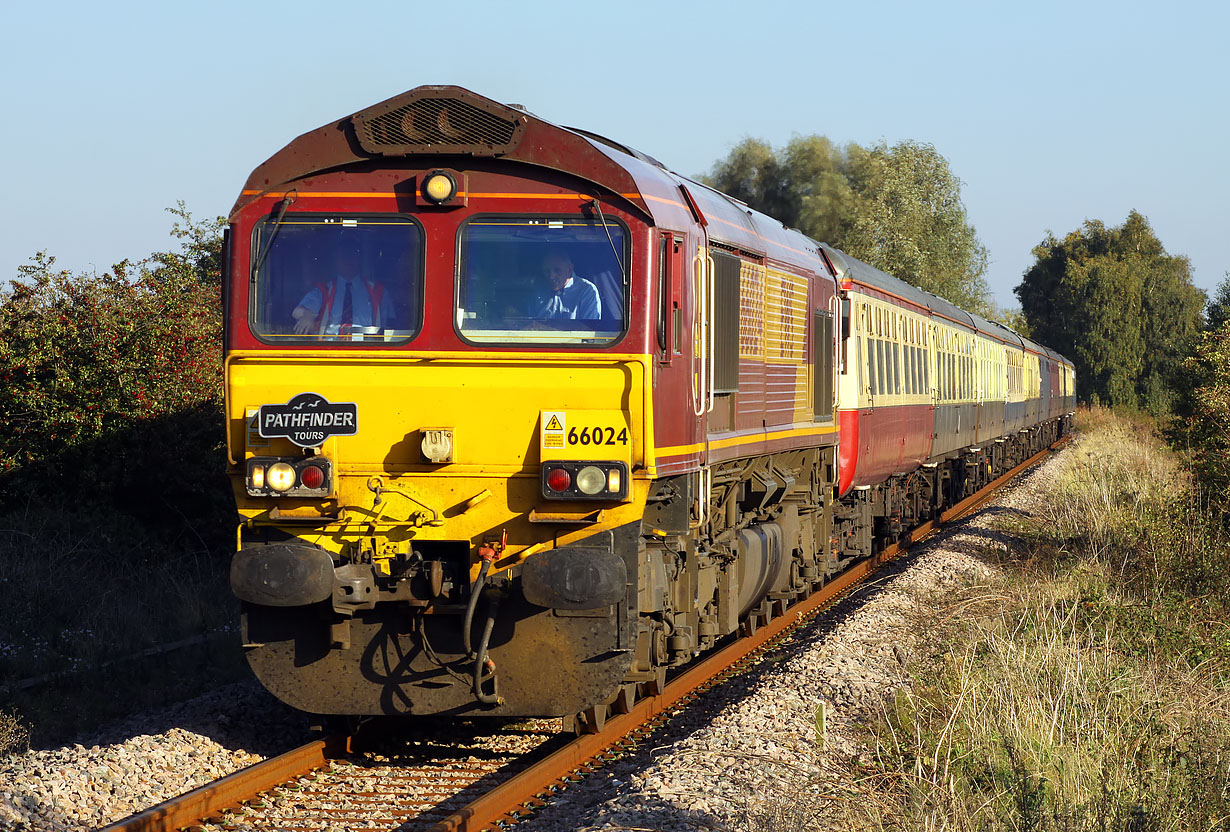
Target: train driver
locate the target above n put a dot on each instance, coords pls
(565, 295)
(347, 301)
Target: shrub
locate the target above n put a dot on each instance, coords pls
(111, 385)
(1202, 427)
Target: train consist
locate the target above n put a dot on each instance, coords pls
(518, 419)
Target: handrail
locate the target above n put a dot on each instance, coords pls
(709, 349)
(840, 358)
(702, 329)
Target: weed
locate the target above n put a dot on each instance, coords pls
(14, 735)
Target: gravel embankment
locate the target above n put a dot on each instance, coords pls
(143, 760)
(747, 756)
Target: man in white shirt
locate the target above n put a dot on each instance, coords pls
(567, 295)
(347, 301)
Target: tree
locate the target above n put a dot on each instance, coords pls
(898, 208)
(1119, 306)
(1218, 311)
(1203, 411)
(909, 221)
(1014, 319)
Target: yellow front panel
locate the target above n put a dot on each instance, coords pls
(492, 404)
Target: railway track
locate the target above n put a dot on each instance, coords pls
(457, 784)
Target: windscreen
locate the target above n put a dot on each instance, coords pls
(553, 280)
(337, 279)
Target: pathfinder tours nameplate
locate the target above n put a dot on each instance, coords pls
(308, 419)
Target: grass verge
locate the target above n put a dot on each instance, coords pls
(1097, 695)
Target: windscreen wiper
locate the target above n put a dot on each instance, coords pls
(622, 274)
(287, 201)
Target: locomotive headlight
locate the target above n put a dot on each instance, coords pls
(439, 186)
(258, 477)
(591, 479)
(280, 476)
(614, 479)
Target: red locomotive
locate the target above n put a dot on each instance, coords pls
(519, 419)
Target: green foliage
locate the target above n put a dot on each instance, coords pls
(898, 208)
(1119, 306)
(1218, 311)
(1014, 319)
(1202, 425)
(110, 385)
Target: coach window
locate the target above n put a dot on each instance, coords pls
(877, 369)
(334, 279)
(541, 280)
(881, 368)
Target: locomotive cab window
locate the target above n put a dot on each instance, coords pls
(331, 279)
(546, 279)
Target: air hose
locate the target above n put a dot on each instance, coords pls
(481, 661)
(467, 642)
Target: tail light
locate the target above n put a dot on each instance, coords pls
(584, 480)
(312, 476)
(558, 480)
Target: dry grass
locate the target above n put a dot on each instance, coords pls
(1099, 696)
(14, 735)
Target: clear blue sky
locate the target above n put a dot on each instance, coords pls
(1049, 112)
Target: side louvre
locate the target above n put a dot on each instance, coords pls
(822, 357)
(725, 322)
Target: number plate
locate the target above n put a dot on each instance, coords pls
(585, 434)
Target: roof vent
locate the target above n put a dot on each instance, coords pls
(438, 121)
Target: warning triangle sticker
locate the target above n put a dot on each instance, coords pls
(554, 424)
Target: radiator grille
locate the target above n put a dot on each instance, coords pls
(436, 125)
(822, 349)
(725, 323)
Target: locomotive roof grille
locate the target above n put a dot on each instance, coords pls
(438, 124)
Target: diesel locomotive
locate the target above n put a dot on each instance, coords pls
(518, 419)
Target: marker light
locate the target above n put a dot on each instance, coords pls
(281, 476)
(439, 186)
(258, 476)
(591, 479)
(614, 479)
(313, 476)
(558, 479)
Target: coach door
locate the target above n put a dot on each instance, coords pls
(678, 426)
